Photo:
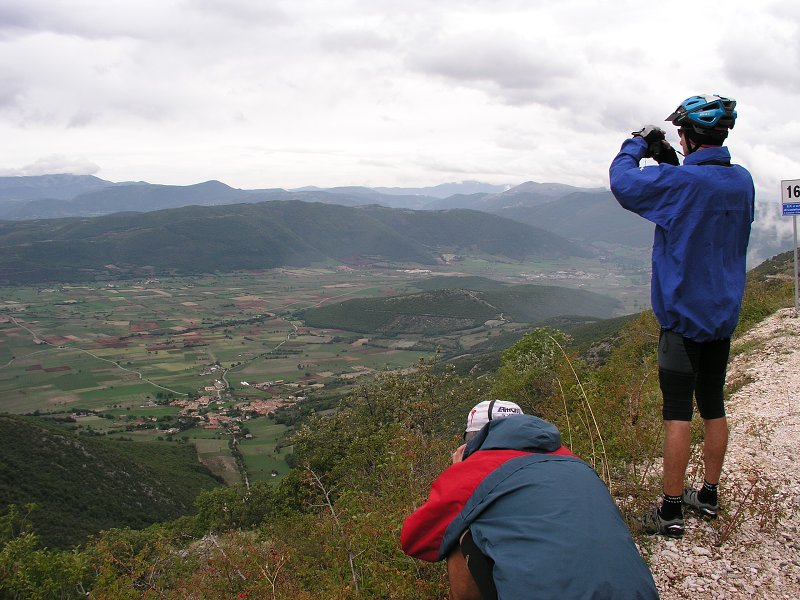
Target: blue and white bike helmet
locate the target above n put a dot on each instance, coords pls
(708, 115)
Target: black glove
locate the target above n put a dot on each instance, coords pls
(657, 147)
(666, 154)
(653, 136)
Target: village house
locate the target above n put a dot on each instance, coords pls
(188, 406)
(265, 407)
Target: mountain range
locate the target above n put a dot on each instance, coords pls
(56, 196)
(584, 215)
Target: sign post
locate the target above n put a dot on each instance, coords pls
(790, 199)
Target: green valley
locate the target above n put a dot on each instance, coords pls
(203, 359)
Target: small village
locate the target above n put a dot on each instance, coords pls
(205, 412)
(210, 412)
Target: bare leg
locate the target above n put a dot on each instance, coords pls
(676, 456)
(714, 447)
(462, 585)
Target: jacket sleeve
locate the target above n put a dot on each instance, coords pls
(645, 191)
(423, 531)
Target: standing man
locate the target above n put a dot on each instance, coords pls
(518, 515)
(702, 211)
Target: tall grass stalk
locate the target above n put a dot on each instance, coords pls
(605, 472)
(566, 412)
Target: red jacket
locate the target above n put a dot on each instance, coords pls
(541, 514)
(423, 531)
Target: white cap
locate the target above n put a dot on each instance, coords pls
(490, 410)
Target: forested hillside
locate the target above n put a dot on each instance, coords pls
(257, 236)
(82, 485)
(453, 309)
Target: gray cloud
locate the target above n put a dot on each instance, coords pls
(83, 118)
(766, 52)
(772, 233)
(355, 40)
(24, 17)
(519, 71)
(11, 91)
(165, 21)
(243, 11)
(14, 18)
(784, 9)
(764, 62)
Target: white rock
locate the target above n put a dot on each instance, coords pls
(764, 416)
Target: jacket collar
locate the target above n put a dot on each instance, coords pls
(716, 154)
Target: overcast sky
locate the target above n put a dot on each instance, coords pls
(267, 93)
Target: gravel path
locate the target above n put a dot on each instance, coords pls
(756, 559)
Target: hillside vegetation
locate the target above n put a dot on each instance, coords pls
(330, 528)
(448, 282)
(454, 309)
(82, 485)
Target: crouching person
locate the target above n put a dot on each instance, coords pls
(519, 516)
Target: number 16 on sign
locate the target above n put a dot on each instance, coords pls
(790, 200)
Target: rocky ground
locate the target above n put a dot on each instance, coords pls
(753, 549)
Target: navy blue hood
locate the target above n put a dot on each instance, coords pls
(519, 432)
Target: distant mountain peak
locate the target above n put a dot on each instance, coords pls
(544, 189)
(211, 183)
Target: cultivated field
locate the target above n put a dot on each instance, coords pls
(123, 350)
(102, 346)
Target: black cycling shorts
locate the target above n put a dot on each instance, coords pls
(689, 369)
(480, 566)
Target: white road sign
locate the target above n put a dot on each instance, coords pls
(790, 196)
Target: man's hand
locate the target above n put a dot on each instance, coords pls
(658, 148)
(458, 455)
(650, 133)
(666, 154)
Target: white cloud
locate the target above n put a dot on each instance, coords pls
(53, 165)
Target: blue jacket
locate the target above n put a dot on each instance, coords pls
(541, 514)
(702, 212)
